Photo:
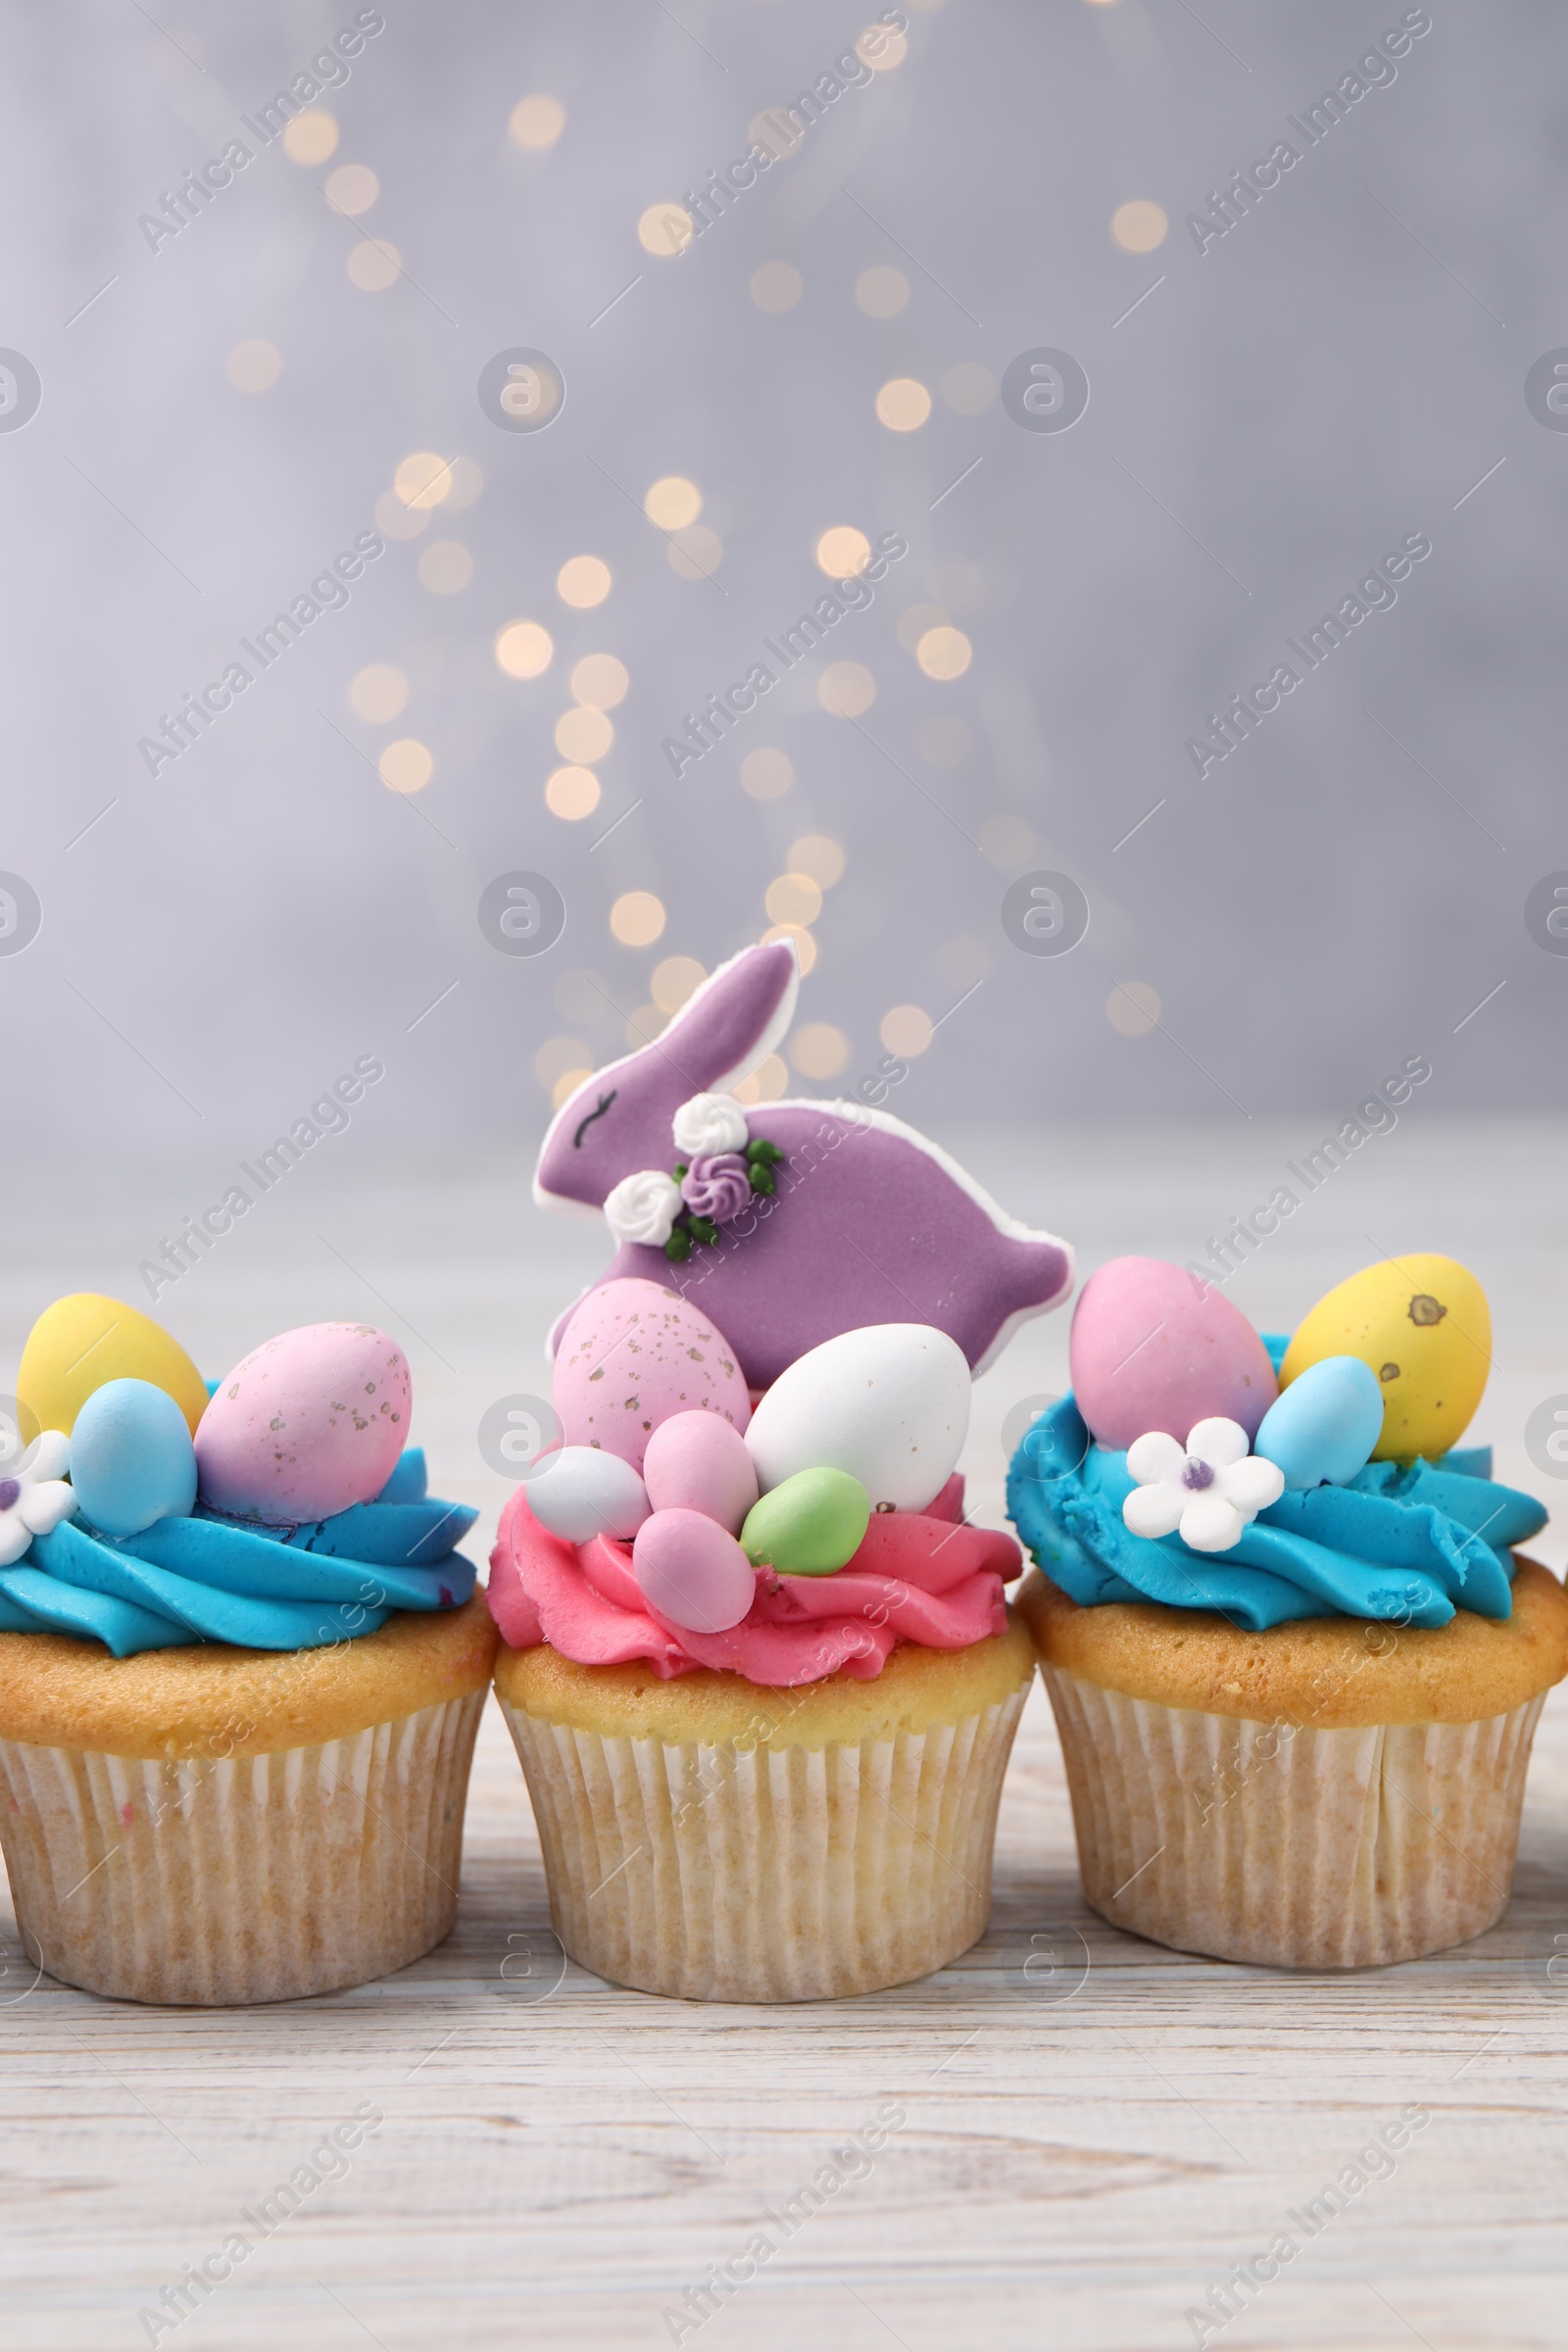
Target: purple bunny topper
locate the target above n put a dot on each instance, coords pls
(869, 1222)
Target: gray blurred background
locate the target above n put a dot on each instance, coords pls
(226, 406)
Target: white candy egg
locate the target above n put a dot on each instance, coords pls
(889, 1404)
(582, 1491)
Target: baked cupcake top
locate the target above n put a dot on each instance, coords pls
(283, 1512)
(1204, 1466)
(761, 1404)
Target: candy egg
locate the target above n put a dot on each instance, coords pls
(83, 1341)
(692, 1571)
(635, 1355)
(697, 1463)
(581, 1492)
(889, 1404)
(1154, 1349)
(306, 1425)
(132, 1458)
(1325, 1424)
(809, 1525)
(1422, 1325)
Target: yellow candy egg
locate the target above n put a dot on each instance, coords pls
(1423, 1325)
(82, 1340)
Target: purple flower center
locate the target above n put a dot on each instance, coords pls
(1197, 1474)
(10, 1488)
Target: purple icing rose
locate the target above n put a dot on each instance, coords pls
(717, 1187)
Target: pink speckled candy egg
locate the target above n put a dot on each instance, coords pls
(306, 1425)
(700, 1462)
(692, 1571)
(633, 1355)
(1154, 1349)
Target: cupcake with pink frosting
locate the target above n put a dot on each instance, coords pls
(759, 1670)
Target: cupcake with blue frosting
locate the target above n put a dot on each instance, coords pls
(1295, 1655)
(241, 1664)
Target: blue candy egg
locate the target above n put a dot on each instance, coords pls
(132, 1458)
(1325, 1424)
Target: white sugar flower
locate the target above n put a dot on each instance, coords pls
(36, 1497)
(644, 1207)
(709, 1124)
(1206, 1492)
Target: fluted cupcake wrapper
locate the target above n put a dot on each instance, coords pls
(723, 1873)
(227, 1880)
(1289, 1846)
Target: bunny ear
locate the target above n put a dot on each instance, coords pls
(736, 1018)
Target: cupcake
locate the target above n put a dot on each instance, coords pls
(241, 1665)
(1294, 1660)
(760, 1670)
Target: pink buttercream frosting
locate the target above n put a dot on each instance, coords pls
(922, 1577)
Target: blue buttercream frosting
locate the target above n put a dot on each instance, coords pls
(1403, 1543)
(211, 1578)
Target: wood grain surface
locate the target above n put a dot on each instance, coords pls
(1065, 2141)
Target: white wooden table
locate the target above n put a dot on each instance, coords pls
(1096, 2130)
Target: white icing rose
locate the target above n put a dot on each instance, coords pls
(644, 1207)
(709, 1124)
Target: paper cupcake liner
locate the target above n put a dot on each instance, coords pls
(1289, 1846)
(218, 1881)
(718, 1872)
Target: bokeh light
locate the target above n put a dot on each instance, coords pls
(583, 581)
(1139, 226)
(375, 265)
(523, 649)
(944, 653)
(572, 792)
(352, 189)
(377, 693)
(599, 679)
(696, 553)
(902, 405)
(1133, 1007)
(664, 230)
(560, 1058)
(672, 502)
(1008, 842)
(583, 734)
(254, 366)
(311, 137)
(767, 1082)
(406, 766)
(881, 48)
(842, 552)
(793, 899)
(395, 520)
(906, 1030)
(675, 981)
(637, 919)
(445, 566)
(766, 774)
(777, 286)
(819, 857)
(881, 293)
(819, 1050)
(846, 688)
(422, 479)
(536, 122)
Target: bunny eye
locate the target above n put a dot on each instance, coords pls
(583, 1125)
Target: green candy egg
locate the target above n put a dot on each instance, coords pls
(808, 1525)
